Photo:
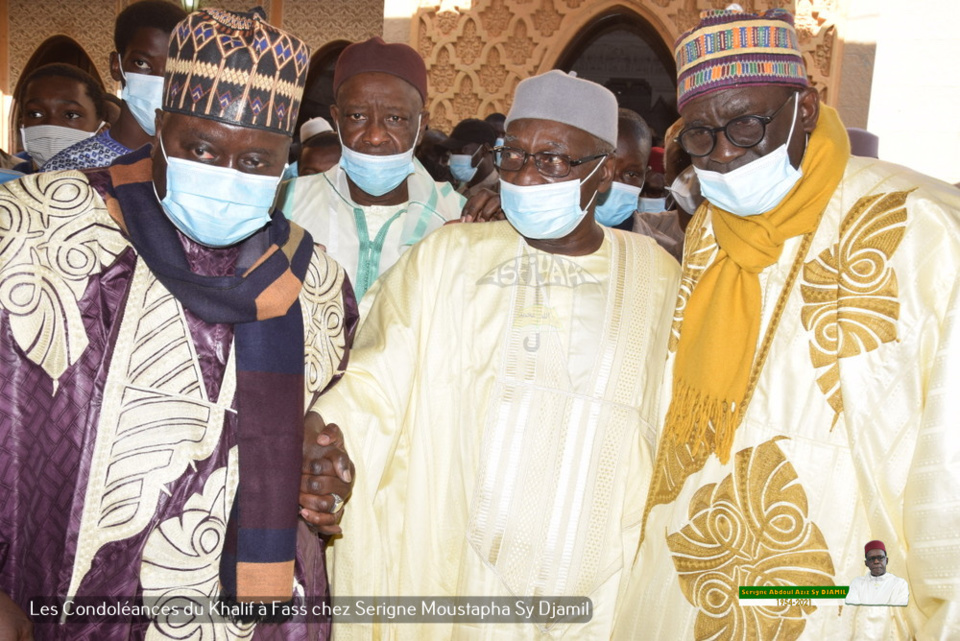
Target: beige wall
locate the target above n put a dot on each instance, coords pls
(875, 60)
(25, 24)
(477, 52)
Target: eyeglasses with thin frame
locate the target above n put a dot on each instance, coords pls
(743, 131)
(871, 559)
(548, 164)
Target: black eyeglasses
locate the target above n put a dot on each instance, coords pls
(549, 165)
(745, 131)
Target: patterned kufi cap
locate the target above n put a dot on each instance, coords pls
(235, 68)
(732, 48)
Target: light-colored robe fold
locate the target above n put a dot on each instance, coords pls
(851, 435)
(500, 406)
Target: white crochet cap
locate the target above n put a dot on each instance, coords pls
(572, 101)
(313, 127)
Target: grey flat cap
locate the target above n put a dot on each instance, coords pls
(573, 101)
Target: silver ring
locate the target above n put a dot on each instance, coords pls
(337, 503)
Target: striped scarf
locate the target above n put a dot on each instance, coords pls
(263, 306)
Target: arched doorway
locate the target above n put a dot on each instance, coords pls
(318, 92)
(622, 51)
(55, 49)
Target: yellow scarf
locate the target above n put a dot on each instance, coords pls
(721, 323)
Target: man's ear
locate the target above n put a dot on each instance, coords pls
(809, 108)
(424, 123)
(607, 173)
(115, 67)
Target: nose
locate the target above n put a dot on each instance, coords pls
(528, 174)
(374, 134)
(725, 151)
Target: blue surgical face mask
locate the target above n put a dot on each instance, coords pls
(547, 211)
(216, 206)
(143, 95)
(618, 204)
(754, 188)
(652, 205)
(377, 175)
(461, 166)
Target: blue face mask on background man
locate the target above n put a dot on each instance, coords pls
(216, 206)
(547, 211)
(618, 205)
(462, 167)
(378, 175)
(143, 95)
(652, 205)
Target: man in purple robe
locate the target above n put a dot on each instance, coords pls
(162, 329)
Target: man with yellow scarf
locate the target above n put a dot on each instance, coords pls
(815, 362)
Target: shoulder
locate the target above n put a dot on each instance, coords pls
(55, 210)
(66, 193)
(97, 151)
(449, 202)
(644, 245)
(467, 238)
(309, 191)
(869, 178)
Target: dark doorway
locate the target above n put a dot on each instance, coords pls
(623, 52)
(318, 93)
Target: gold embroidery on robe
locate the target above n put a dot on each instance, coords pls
(751, 529)
(849, 291)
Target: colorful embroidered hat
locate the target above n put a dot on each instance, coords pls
(394, 58)
(235, 68)
(732, 48)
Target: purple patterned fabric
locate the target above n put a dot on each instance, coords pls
(46, 443)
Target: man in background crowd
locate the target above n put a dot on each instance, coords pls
(616, 207)
(141, 35)
(470, 161)
(319, 147)
(378, 200)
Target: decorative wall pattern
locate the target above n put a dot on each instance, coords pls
(475, 57)
(321, 21)
(91, 25)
